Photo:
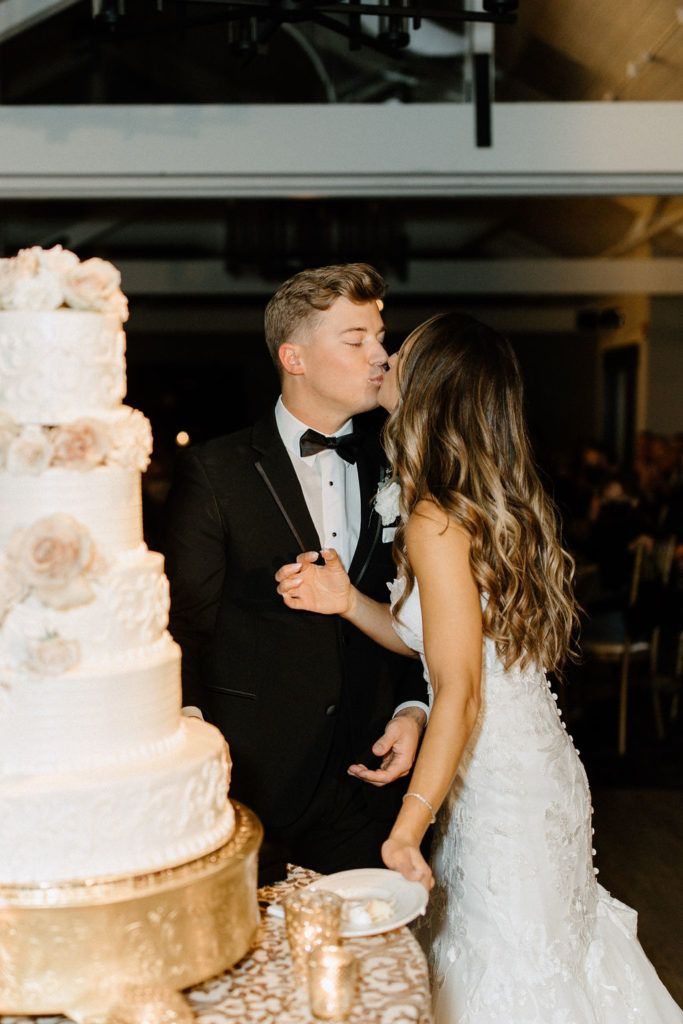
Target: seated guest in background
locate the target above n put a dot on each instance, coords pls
(658, 468)
(618, 526)
(576, 483)
(307, 703)
(617, 520)
(517, 928)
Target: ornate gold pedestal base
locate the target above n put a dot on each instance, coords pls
(77, 948)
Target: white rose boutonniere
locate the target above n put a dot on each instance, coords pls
(386, 503)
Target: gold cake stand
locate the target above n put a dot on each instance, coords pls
(96, 950)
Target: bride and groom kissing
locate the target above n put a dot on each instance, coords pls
(325, 693)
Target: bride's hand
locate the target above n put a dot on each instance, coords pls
(405, 857)
(324, 588)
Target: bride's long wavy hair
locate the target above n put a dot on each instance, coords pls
(458, 437)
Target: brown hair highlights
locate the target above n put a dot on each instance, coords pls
(458, 437)
(303, 296)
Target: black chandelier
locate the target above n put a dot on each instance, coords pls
(252, 24)
(256, 20)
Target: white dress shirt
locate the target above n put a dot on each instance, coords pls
(330, 486)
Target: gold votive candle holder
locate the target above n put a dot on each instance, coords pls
(332, 975)
(311, 918)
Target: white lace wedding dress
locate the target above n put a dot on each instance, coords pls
(518, 930)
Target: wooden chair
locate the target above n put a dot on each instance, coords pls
(667, 682)
(634, 643)
(678, 679)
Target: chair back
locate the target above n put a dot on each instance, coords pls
(650, 574)
(641, 545)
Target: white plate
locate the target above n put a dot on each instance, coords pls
(409, 898)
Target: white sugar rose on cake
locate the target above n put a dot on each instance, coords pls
(100, 775)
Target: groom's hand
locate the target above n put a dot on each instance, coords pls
(397, 747)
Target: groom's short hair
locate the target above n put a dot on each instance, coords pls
(302, 297)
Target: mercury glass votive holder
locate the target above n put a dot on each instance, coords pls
(332, 975)
(311, 918)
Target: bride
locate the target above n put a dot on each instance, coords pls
(518, 930)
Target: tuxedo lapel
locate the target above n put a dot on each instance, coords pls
(368, 478)
(276, 466)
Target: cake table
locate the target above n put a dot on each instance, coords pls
(260, 989)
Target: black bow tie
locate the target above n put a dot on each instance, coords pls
(347, 445)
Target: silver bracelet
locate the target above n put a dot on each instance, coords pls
(418, 796)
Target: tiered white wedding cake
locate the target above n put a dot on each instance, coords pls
(100, 776)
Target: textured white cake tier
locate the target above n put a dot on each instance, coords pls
(91, 717)
(99, 775)
(137, 817)
(128, 612)
(60, 365)
(107, 500)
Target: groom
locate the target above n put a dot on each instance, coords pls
(312, 709)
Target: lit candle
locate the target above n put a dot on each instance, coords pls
(332, 972)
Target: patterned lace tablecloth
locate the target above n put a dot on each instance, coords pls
(393, 983)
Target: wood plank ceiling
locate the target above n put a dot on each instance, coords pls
(618, 50)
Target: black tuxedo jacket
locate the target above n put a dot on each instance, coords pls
(282, 685)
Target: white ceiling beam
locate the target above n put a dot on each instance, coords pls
(524, 277)
(339, 150)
